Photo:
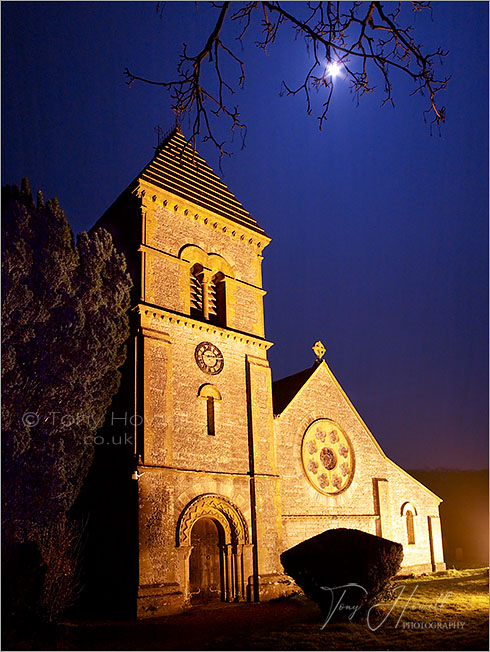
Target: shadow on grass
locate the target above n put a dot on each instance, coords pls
(446, 611)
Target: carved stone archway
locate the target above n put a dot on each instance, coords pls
(235, 541)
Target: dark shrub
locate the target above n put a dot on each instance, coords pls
(344, 571)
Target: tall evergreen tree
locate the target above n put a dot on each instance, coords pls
(64, 326)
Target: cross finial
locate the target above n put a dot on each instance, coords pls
(319, 350)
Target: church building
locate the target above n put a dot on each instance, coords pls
(229, 468)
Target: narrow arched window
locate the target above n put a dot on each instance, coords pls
(410, 527)
(217, 300)
(210, 412)
(212, 396)
(197, 298)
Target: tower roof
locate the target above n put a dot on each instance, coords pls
(180, 169)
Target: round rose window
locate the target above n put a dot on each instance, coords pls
(328, 458)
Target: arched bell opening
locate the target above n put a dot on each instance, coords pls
(197, 291)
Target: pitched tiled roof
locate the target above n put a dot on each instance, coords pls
(285, 389)
(176, 167)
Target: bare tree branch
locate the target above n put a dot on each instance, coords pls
(362, 38)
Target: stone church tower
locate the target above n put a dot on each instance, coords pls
(223, 478)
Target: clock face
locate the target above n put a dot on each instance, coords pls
(328, 457)
(209, 358)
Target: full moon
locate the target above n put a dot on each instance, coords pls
(333, 69)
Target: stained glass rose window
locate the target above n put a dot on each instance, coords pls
(328, 457)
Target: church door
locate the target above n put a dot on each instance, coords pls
(205, 572)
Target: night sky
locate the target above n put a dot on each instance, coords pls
(379, 227)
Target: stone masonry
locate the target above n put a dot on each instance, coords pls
(219, 444)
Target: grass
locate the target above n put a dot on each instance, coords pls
(444, 611)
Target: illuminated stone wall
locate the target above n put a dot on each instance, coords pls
(169, 225)
(268, 482)
(371, 496)
(180, 461)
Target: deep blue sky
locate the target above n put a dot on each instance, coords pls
(380, 229)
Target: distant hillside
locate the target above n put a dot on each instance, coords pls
(464, 513)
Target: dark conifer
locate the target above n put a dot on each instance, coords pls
(65, 324)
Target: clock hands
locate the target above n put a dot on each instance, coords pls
(209, 358)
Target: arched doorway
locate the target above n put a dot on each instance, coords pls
(213, 539)
(206, 561)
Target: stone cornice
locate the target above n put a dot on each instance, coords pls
(153, 197)
(160, 467)
(330, 516)
(165, 254)
(205, 327)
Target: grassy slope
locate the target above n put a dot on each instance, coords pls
(446, 597)
(294, 623)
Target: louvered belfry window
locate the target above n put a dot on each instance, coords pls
(216, 299)
(197, 305)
